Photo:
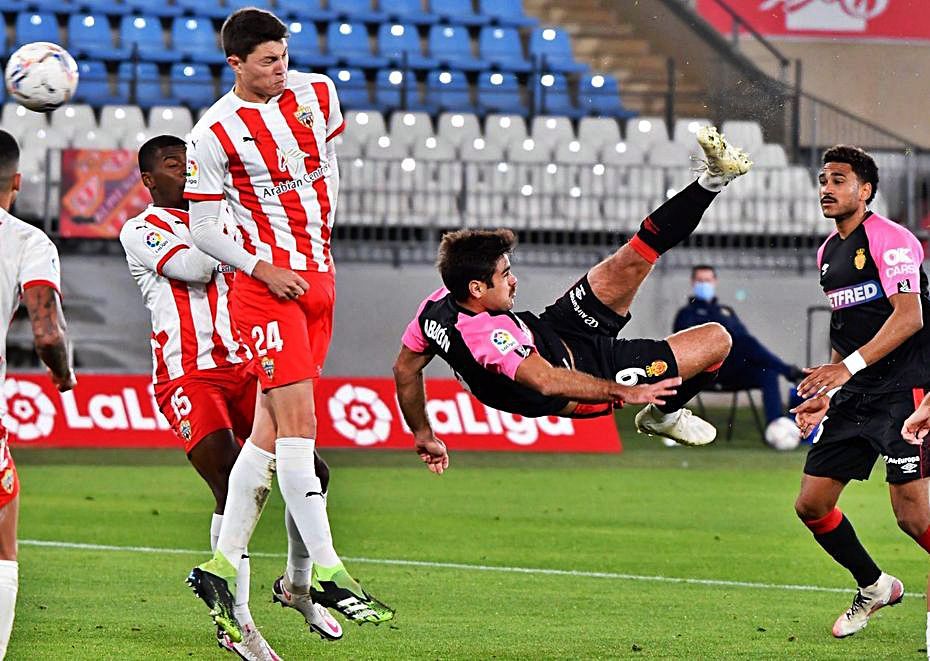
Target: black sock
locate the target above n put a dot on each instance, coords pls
(843, 545)
(687, 390)
(673, 221)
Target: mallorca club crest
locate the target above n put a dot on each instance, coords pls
(185, 429)
(859, 259)
(304, 115)
(657, 368)
(268, 366)
(8, 481)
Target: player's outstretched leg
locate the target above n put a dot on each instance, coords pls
(210, 581)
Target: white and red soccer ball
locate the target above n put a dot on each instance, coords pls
(41, 76)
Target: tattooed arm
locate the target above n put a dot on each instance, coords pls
(49, 331)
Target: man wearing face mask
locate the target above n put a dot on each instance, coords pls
(750, 364)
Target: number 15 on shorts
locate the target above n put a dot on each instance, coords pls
(267, 339)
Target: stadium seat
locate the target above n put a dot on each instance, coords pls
(457, 11)
(487, 178)
(13, 6)
(396, 90)
(166, 9)
(89, 36)
(349, 43)
(170, 120)
(505, 130)
(448, 90)
(506, 12)
(94, 86)
(668, 154)
(304, 48)
(228, 79)
(72, 118)
(96, 139)
(500, 92)
(598, 131)
(121, 120)
(36, 157)
(364, 125)
(194, 39)
(407, 128)
(769, 155)
(551, 48)
(549, 131)
(132, 141)
(622, 153)
(450, 46)
(142, 84)
(408, 11)
(686, 129)
(746, 135)
(35, 26)
(192, 84)
(352, 87)
(355, 10)
(501, 47)
(107, 7)
(599, 94)
(575, 152)
(142, 37)
(437, 182)
(19, 121)
(233, 5)
(208, 8)
(552, 96)
(392, 179)
(305, 10)
(643, 131)
(400, 44)
(457, 128)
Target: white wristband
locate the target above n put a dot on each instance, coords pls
(854, 362)
(830, 393)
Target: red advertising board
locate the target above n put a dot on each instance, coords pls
(118, 411)
(856, 19)
(100, 190)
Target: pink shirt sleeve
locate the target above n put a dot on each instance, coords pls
(413, 336)
(496, 342)
(897, 255)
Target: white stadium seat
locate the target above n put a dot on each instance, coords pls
(746, 135)
(409, 127)
(18, 121)
(504, 130)
(644, 131)
(170, 120)
(362, 124)
(121, 120)
(70, 119)
(96, 139)
(685, 131)
(458, 128)
(550, 131)
(598, 131)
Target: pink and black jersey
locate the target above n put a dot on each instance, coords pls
(270, 161)
(859, 274)
(191, 325)
(484, 351)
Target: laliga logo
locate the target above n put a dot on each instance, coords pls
(360, 415)
(828, 15)
(30, 414)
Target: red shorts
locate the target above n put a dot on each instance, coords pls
(288, 338)
(204, 401)
(9, 478)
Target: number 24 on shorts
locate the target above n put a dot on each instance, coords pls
(269, 340)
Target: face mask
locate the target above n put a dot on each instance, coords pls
(704, 291)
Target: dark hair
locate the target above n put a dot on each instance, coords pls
(862, 164)
(702, 267)
(467, 255)
(150, 148)
(9, 159)
(248, 27)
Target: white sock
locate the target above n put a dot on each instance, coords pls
(241, 607)
(216, 524)
(711, 183)
(9, 584)
(303, 496)
(249, 486)
(298, 557)
(928, 635)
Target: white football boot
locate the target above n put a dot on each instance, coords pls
(252, 648)
(722, 161)
(318, 618)
(886, 591)
(681, 426)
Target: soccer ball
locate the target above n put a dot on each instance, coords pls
(783, 434)
(41, 76)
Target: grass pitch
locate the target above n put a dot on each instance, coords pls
(479, 562)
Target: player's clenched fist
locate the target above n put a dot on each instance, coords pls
(917, 425)
(283, 283)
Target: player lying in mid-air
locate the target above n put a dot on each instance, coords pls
(568, 361)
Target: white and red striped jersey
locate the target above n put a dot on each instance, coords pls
(27, 258)
(191, 325)
(272, 164)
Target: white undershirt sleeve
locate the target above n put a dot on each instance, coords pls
(209, 237)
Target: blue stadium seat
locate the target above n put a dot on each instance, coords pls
(194, 39)
(107, 7)
(211, 8)
(351, 87)
(153, 8)
(408, 11)
(500, 92)
(192, 84)
(34, 26)
(448, 90)
(349, 43)
(227, 79)
(599, 94)
(552, 48)
(233, 5)
(143, 34)
(457, 11)
(89, 37)
(356, 11)
(305, 10)
(502, 48)
(506, 12)
(304, 46)
(65, 7)
(13, 6)
(95, 86)
(145, 78)
(400, 44)
(450, 46)
(395, 90)
(552, 96)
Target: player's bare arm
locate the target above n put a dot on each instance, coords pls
(537, 373)
(49, 331)
(904, 321)
(411, 395)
